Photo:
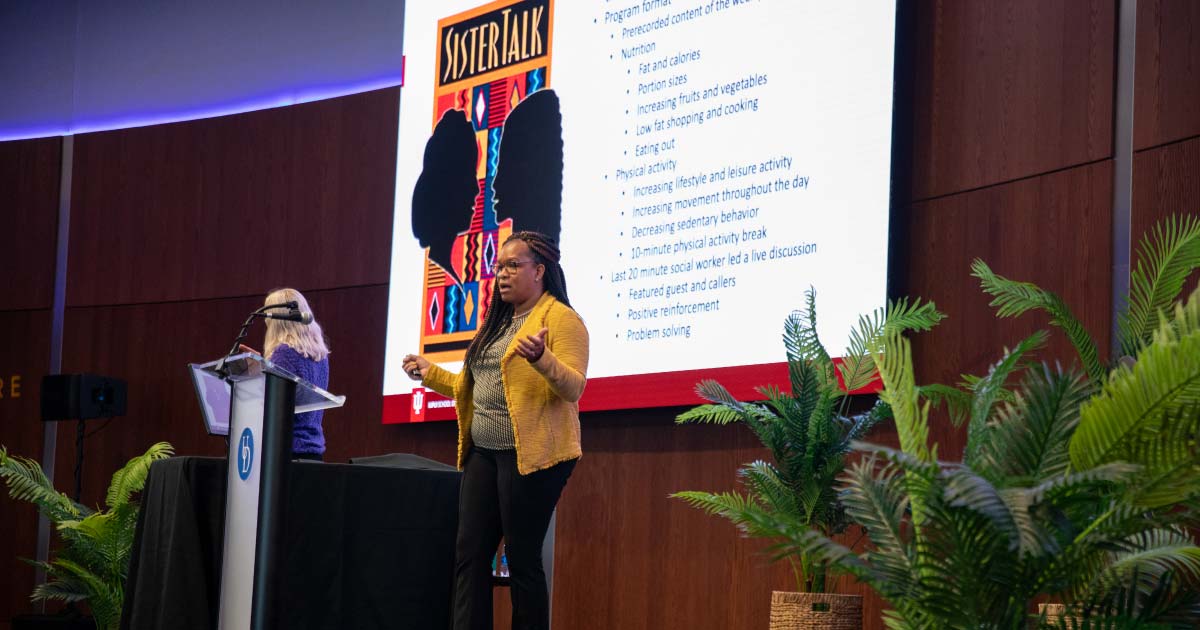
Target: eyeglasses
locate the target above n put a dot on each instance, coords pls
(511, 265)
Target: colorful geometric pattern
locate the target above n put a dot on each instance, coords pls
(449, 310)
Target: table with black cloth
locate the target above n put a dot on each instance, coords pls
(367, 546)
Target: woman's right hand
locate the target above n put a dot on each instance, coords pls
(415, 366)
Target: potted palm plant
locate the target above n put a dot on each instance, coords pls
(1080, 486)
(93, 561)
(808, 432)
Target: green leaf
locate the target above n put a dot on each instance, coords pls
(1143, 411)
(27, 482)
(1028, 440)
(893, 355)
(802, 344)
(1012, 298)
(956, 401)
(987, 391)
(709, 414)
(764, 482)
(875, 498)
(104, 597)
(66, 590)
(131, 477)
(1149, 556)
(1167, 255)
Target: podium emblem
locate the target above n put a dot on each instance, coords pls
(245, 454)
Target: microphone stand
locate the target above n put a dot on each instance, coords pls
(220, 367)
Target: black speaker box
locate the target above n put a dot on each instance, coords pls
(81, 397)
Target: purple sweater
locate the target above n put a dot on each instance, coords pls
(307, 436)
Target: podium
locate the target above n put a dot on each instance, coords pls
(254, 402)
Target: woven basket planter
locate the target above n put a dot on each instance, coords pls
(1058, 612)
(817, 611)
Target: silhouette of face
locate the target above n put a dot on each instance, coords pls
(444, 195)
(520, 276)
(527, 187)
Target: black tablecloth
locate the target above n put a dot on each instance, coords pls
(368, 546)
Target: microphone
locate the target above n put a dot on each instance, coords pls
(293, 315)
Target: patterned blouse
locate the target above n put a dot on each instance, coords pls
(491, 428)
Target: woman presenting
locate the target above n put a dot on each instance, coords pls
(517, 399)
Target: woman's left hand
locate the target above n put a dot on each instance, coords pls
(533, 346)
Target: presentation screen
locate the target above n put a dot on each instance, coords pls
(701, 163)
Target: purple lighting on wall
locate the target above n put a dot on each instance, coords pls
(73, 66)
(148, 118)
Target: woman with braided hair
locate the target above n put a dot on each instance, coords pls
(517, 399)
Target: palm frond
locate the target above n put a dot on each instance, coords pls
(1149, 556)
(956, 401)
(875, 498)
(802, 344)
(987, 391)
(1172, 459)
(824, 550)
(1029, 437)
(764, 482)
(105, 597)
(903, 316)
(62, 589)
(966, 489)
(131, 477)
(709, 414)
(104, 540)
(1083, 483)
(27, 482)
(1168, 254)
(864, 422)
(1142, 404)
(858, 367)
(742, 510)
(893, 355)
(1012, 298)
(714, 392)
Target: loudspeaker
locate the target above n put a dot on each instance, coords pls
(82, 397)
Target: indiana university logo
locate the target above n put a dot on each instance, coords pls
(418, 405)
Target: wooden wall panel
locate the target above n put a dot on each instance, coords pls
(1008, 89)
(25, 353)
(234, 205)
(1052, 230)
(1167, 76)
(29, 176)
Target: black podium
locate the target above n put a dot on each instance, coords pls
(363, 547)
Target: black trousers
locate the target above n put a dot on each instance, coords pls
(496, 500)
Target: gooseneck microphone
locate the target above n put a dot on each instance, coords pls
(293, 314)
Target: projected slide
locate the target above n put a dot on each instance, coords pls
(702, 163)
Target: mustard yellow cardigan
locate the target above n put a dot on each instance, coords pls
(543, 396)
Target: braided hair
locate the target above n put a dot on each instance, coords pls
(500, 313)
